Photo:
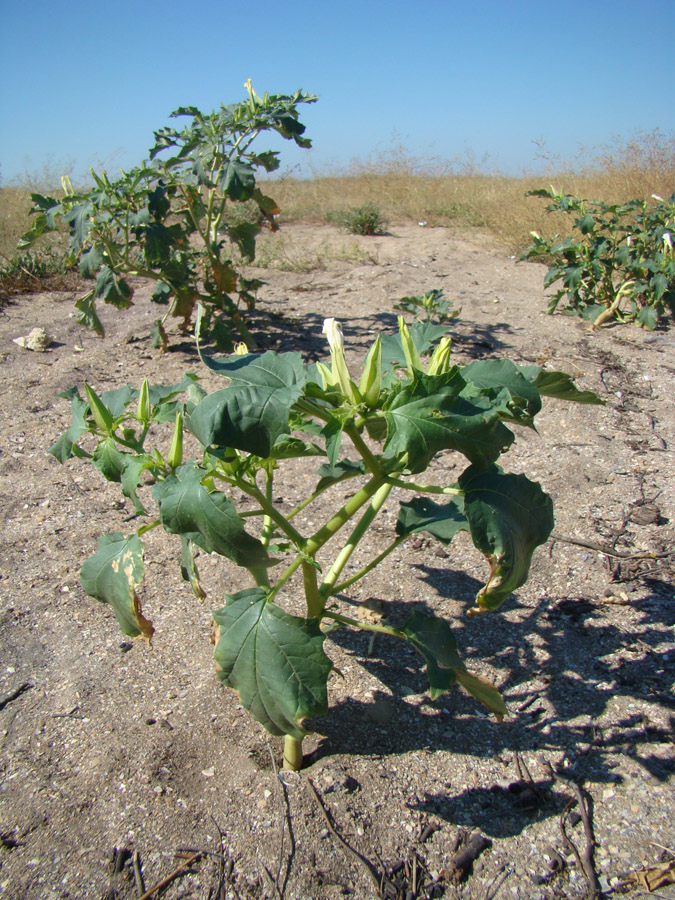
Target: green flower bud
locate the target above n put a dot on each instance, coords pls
(412, 357)
(100, 412)
(175, 456)
(144, 408)
(371, 378)
(439, 363)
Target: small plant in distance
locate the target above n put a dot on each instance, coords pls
(366, 220)
(619, 265)
(429, 307)
(410, 404)
(173, 219)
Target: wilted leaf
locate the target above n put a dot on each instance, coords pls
(509, 516)
(111, 576)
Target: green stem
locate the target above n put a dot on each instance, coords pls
(339, 588)
(424, 488)
(369, 459)
(292, 754)
(361, 528)
(351, 507)
(366, 626)
(273, 513)
(314, 600)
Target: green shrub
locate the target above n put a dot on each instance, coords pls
(172, 219)
(619, 263)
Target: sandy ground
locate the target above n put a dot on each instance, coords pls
(105, 745)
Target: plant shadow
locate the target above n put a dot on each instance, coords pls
(565, 664)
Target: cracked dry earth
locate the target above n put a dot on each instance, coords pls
(118, 764)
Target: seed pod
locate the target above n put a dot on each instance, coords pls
(100, 412)
(175, 456)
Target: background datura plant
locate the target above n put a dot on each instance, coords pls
(185, 218)
(368, 436)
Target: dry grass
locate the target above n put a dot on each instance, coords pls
(454, 194)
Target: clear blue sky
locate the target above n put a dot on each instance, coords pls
(88, 82)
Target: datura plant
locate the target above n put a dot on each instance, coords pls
(184, 218)
(371, 436)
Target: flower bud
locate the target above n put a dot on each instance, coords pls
(439, 363)
(412, 357)
(175, 456)
(99, 411)
(143, 411)
(371, 378)
(340, 372)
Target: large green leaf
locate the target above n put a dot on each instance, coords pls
(429, 415)
(509, 516)
(443, 521)
(111, 576)
(274, 660)
(237, 180)
(507, 389)
(210, 519)
(253, 412)
(557, 384)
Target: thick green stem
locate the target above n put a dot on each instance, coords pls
(364, 524)
(314, 600)
(351, 507)
(292, 754)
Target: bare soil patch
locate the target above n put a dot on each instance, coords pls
(104, 744)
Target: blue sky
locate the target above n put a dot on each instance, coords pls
(85, 83)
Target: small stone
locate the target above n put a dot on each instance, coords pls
(209, 773)
(37, 340)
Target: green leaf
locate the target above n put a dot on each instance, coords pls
(286, 447)
(244, 235)
(91, 261)
(275, 661)
(507, 389)
(509, 516)
(112, 289)
(433, 638)
(443, 521)
(332, 474)
(87, 314)
(111, 576)
(253, 412)
(558, 384)
(429, 415)
(118, 399)
(109, 460)
(210, 519)
(424, 335)
(237, 180)
(65, 447)
(648, 317)
(78, 218)
(188, 567)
